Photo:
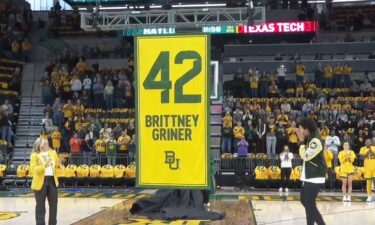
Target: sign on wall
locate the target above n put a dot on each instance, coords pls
(172, 87)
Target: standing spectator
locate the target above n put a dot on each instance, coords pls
(87, 83)
(48, 124)
(318, 75)
(251, 136)
(47, 93)
(300, 73)
(347, 71)
(119, 96)
(334, 143)
(238, 133)
(81, 66)
(281, 73)
(286, 168)
(346, 157)
(281, 138)
(292, 137)
(263, 86)
(108, 95)
(75, 148)
(86, 99)
(98, 90)
(56, 140)
(6, 129)
(76, 84)
(226, 143)
(366, 88)
(15, 49)
(261, 131)
(88, 147)
(328, 156)
(328, 75)
(337, 74)
(124, 141)
(254, 85)
(25, 50)
(103, 48)
(271, 137)
(7, 108)
(242, 147)
(57, 113)
(111, 151)
(237, 115)
(273, 90)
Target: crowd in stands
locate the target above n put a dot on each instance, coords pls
(89, 110)
(15, 25)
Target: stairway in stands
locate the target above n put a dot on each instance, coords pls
(28, 128)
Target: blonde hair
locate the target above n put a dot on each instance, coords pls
(38, 142)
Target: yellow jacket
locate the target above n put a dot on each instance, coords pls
(37, 166)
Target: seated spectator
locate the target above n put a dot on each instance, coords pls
(366, 88)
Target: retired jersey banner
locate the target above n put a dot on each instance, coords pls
(172, 89)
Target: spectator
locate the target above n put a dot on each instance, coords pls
(108, 95)
(81, 66)
(226, 137)
(6, 129)
(318, 75)
(263, 86)
(328, 156)
(87, 83)
(273, 90)
(47, 93)
(328, 75)
(300, 73)
(98, 90)
(242, 147)
(56, 140)
(111, 151)
(15, 49)
(76, 84)
(251, 136)
(104, 50)
(48, 124)
(338, 72)
(75, 148)
(57, 115)
(333, 142)
(124, 141)
(281, 138)
(254, 84)
(286, 168)
(25, 50)
(238, 133)
(237, 115)
(292, 137)
(347, 71)
(281, 72)
(366, 88)
(278, 57)
(271, 139)
(106, 131)
(7, 108)
(88, 147)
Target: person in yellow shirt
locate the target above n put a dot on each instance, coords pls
(300, 73)
(238, 133)
(328, 75)
(68, 109)
(299, 91)
(56, 140)
(367, 153)
(324, 133)
(123, 141)
(25, 49)
(292, 137)
(338, 71)
(254, 85)
(346, 76)
(100, 145)
(227, 119)
(328, 157)
(346, 158)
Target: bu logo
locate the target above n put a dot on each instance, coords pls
(170, 158)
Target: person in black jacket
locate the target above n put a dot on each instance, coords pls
(314, 169)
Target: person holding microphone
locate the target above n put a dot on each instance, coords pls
(314, 168)
(43, 164)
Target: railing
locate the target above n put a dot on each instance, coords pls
(101, 159)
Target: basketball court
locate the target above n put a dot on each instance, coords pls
(111, 207)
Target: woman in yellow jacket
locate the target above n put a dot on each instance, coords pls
(346, 158)
(43, 164)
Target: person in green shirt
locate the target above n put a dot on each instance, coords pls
(111, 151)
